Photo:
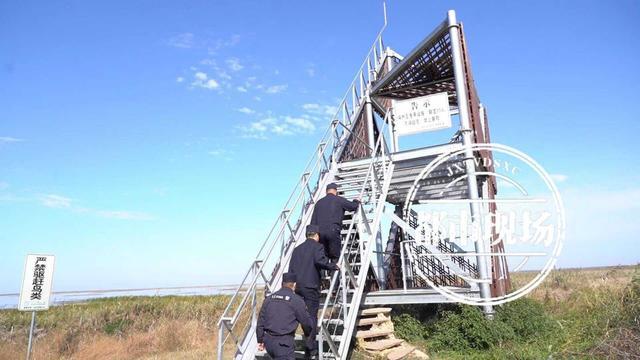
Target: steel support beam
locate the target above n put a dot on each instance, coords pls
(467, 142)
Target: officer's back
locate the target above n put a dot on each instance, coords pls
(282, 311)
(279, 317)
(330, 210)
(306, 262)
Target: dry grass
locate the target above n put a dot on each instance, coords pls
(590, 305)
(561, 283)
(119, 328)
(597, 308)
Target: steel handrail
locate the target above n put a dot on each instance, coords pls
(301, 186)
(272, 246)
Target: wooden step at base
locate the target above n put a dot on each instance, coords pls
(401, 352)
(372, 321)
(366, 334)
(375, 311)
(380, 345)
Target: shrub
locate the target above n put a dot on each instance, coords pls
(527, 318)
(409, 328)
(468, 329)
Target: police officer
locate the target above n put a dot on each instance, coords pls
(328, 213)
(306, 262)
(279, 317)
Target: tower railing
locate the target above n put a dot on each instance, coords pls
(239, 318)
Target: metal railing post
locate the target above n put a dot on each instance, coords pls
(220, 339)
(403, 263)
(467, 142)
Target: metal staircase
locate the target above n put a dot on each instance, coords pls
(342, 301)
(340, 142)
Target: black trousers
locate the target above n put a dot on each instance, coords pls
(280, 347)
(311, 298)
(331, 239)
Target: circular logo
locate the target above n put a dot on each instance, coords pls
(516, 222)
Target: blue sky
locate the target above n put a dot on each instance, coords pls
(153, 143)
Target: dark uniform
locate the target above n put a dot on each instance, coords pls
(328, 214)
(279, 317)
(306, 262)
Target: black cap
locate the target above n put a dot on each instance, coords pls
(313, 229)
(289, 277)
(332, 186)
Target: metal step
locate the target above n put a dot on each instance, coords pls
(349, 181)
(354, 186)
(358, 165)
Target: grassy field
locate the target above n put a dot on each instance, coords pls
(581, 313)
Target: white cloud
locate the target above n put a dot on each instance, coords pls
(282, 126)
(184, 41)
(242, 89)
(234, 64)
(320, 109)
(246, 110)
(202, 80)
(56, 201)
(303, 125)
(62, 202)
(311, 107)
(179, 79)
(8, 139)
(558, 178)
(188, 40)
(257, 98)
(274, 89)
(211, 84)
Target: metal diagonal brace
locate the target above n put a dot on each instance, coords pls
(349, 273)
